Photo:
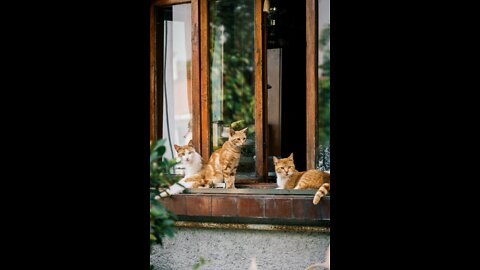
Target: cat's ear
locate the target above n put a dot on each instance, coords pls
(244, 130)
(291, 156)
(176, 147)
(232, 131)
(190, 143)
(275, 160)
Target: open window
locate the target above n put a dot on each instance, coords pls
(322, 137)
(233, 80)
(222, 63)
(318, 85)
(174, 93)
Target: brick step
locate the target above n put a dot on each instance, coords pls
(248, 207)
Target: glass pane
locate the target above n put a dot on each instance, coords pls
(323, 110)
(174, 34)
(232, 80)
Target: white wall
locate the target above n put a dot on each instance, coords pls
(234, 249)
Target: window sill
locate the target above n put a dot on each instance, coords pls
(250, 206)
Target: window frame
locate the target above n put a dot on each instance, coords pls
(260, 90)
(156, 101)
(201, 118)
(311, 79)
(200, 82)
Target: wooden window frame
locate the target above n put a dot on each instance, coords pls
(311, 79)
(156, 75)
(260, 89)
(200, 80)
(272, 202)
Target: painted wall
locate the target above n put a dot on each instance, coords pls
(234, 249)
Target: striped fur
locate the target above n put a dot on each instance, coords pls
(223, 163)
(322, 191)
(289, 178)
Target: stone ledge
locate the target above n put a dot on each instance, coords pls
(257, 227)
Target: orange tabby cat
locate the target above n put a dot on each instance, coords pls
(223, 163)
(289, 178)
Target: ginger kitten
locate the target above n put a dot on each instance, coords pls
(223, 163)
(289, 178)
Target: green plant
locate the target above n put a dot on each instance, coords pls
(161, 219)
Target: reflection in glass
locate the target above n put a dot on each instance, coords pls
(323, 110)
(232, 80)
(174, 32)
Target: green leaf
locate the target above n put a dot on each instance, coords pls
(153, 157)
(155, 210)
(159, 147)
(168, 222)
(168, 231)
(161, 150)
(161, 219)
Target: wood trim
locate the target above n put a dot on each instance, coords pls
(311, 79)
(259, 86)
(259, 91)
(169, 2)
(196, 117)
(265, 96)
(204, 80)
(152, 73)
(156, 74)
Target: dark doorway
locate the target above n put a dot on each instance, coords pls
(286, 74)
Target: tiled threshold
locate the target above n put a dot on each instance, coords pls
(284, 209)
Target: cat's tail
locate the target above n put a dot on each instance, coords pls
(322, 191)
